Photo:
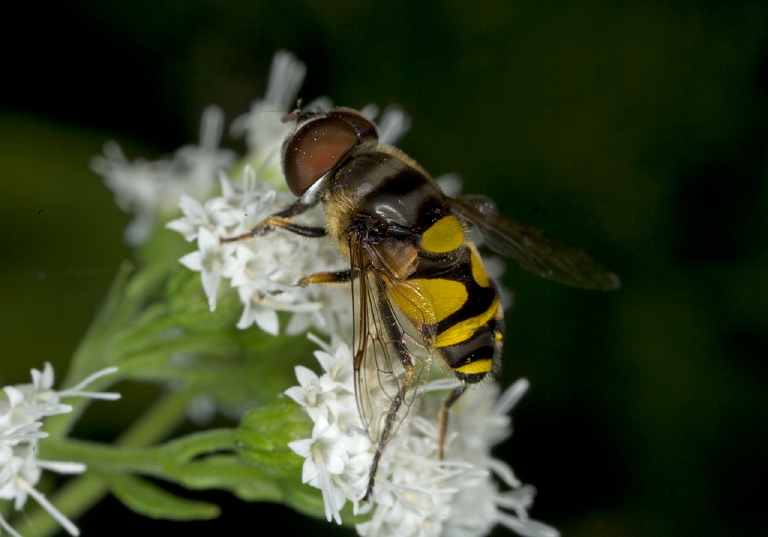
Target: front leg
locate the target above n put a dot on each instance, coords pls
(281, 220)
(330, 279)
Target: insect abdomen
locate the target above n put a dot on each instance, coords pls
(455, 306)
(470, 338)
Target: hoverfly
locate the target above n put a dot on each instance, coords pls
(419, 284)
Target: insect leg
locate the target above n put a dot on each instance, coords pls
(443, 417)
(327, 278)
(396, 339)
(280, 220)
(274, 222)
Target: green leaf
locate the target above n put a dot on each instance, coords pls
(263, 436)
(189, 306)
(149, 500)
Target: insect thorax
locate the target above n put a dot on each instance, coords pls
(383, 195)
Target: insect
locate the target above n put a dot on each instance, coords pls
(420, 288)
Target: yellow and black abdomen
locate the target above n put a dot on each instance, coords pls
(470, 338)
(452, 301)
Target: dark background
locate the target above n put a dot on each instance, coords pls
(636, 131)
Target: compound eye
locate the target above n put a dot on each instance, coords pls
(314, 150)
(363, 126)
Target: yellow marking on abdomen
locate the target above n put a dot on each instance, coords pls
(463, 330)
(445, 235)
(478, 270)
(478, 366)
(428, 300)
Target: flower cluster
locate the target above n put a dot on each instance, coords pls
(263, 270)
(151, 189)
(22, 409)
(339, 454)
(415, 494)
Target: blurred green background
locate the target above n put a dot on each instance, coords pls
(637, 131)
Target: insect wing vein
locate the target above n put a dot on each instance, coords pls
(532, 249)
(385, 346)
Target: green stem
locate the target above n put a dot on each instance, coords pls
(145, 460)
(159, 421)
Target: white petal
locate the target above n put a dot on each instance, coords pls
(193, 261)
(267, 320)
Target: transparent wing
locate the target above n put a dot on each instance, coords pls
(533, 250)
(392, 358)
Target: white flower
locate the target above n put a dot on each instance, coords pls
(327, 394)
(262, 126)
(393, 123)
(209, 261)
(151, 189)
(415, 494)
(339, 454)
(22, 407)
(325, 465)
(481, 421)
(263, 270)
